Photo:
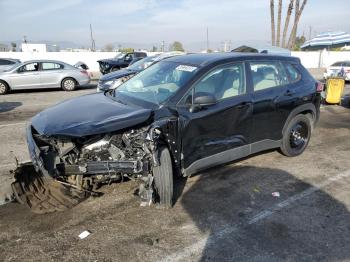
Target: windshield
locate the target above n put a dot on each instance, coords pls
(142, 64)
(158, 82)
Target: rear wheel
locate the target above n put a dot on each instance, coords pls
(43, 194)
(163, 178)
(4, 88)
(296, 136)
(69, 84)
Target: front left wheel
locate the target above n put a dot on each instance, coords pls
(163, 178)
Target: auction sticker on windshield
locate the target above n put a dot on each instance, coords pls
(186, 68)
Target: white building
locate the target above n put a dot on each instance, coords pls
(3, 48)
(26, 47)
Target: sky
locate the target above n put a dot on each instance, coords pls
(154, 21)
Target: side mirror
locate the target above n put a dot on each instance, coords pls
(202, 102)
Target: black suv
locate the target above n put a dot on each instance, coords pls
(179, 116)
(120, 61)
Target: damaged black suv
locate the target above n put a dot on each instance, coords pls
(179, 116)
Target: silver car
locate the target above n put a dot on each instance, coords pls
(42, 74)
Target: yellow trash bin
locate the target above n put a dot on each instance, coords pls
(335, 90)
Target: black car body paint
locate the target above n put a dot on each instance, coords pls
(115, 134)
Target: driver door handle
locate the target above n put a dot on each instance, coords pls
(242, 105)
(289, 93)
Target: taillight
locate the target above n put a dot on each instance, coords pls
(319, 87)
(84, 72)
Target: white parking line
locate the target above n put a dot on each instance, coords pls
(196, 249)
(13, 124)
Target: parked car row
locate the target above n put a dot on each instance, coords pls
(114, 79)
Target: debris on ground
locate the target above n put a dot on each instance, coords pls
(276, 194)
(84, 234)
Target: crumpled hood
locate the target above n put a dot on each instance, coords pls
(88, 115)
(117, 74)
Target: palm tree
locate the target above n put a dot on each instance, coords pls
(298, 12)
(279, 23)
(286, 23)
(272, 11)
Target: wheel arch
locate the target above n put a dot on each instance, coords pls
(305, 109)
(8, 85)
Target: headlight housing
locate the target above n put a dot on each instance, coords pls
(113, 83)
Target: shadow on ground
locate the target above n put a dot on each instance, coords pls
(8, 106)
(224, 203)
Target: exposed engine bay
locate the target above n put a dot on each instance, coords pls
(88, 163)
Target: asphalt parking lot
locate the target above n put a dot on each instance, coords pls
(224, 214)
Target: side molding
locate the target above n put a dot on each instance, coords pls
(230, 155)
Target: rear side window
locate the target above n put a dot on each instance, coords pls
(293, 73)
(267, 75)
(51, 66)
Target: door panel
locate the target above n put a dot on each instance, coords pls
(216, 129)
(220, 127)
(50, 78)
(271, 100)
(26, 77)
(51, 74)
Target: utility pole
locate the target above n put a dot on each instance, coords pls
(310, 32)
(207, 39)
(93, 47)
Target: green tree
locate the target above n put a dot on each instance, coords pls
(177, 46)
(299, 41)
(126, 50)
(13, 47)
(109, 48)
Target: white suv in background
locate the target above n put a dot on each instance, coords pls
(336, 68)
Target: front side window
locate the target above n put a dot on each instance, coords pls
(293, 73)
(267, 75)
(223, 82)
(29, 67)
(51, 66)
(158, 82)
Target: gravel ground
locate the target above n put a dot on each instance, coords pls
(227, 213)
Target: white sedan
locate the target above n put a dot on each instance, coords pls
(337, 68)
